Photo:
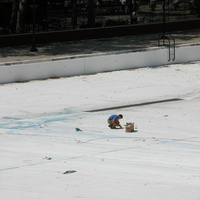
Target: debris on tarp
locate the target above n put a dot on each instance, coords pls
(69, 172)
(48, 158)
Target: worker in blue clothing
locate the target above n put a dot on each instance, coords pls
(113, 121)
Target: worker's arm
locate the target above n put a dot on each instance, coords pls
(116, 123)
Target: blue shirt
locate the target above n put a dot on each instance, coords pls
(113, 117)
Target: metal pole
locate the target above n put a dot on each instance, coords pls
(131, 11)
(33, 8)
(163, 16)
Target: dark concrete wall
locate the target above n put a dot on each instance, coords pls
(106, 32)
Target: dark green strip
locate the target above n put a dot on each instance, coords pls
(134, 105)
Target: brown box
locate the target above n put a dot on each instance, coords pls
(129, 127)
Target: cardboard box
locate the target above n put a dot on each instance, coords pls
(129, 127)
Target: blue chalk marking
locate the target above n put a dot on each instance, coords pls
(34, 122)
(12, 118)
(180, 142)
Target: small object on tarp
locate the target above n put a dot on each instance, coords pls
(129, 127)
(48, 158)
(69, 172)
(78, 129)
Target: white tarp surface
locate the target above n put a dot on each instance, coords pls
(44, 157)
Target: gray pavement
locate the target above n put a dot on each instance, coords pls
(70, 48)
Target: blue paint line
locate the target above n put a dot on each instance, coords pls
(17, 123)
(180, 142)
(12, 118)
(40, 163)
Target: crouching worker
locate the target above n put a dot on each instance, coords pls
(113, 121)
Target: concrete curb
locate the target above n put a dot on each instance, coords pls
(95, 63)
